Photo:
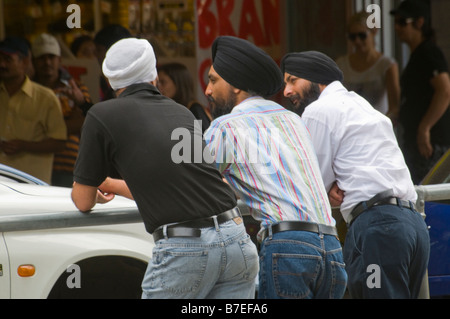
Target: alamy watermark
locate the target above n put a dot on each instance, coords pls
(74, 279)
(74, 19)
(257, 147)
(374, 279)
(374, 19)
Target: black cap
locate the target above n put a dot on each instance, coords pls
(412, 9)
(14, 45)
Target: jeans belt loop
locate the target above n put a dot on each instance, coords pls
(216, 223)
(165, 232)
(270, 232)
(320, 230)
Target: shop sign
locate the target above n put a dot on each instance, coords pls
(255, 20)
(86, 71)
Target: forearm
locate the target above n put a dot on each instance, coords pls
(439, 103)
(393, 91)
(84, 197)
(438, 106)
(47, 146)
(116, 186)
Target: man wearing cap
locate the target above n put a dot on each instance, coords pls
(265, 153)
(365, 173)
(425, 88)
(32, 126)
(202, 249)
(73, 96)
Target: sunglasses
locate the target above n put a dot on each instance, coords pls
(403, 21)
(361, 35)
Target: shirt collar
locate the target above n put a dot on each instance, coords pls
(26, 88)
(134, 88)
(331, 88)
(246, 104)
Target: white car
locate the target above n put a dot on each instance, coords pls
(48, 249)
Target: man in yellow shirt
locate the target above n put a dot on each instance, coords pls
(32, 126)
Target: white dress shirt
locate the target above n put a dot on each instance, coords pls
(356, 146)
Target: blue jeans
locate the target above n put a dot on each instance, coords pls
(300, 264)
(222, 263)
(386, 253)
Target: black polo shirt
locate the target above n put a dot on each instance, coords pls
(426, 61)
(139, 137)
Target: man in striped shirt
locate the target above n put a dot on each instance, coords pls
(266, 154)
(73, 97)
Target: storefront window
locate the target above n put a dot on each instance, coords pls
(168, 24)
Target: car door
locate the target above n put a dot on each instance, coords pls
(5, 281)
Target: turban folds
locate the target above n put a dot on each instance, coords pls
(245, 66)
(130, 61)
(312, 66)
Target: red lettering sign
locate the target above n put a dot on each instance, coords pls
(207, 24)
(254, 20)
(249, 25)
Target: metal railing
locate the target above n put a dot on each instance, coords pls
(429, 193)
(52, 220)
(19, 222)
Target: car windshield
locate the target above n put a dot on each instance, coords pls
(9, 174)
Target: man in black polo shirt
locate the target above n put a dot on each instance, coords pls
(202, 249)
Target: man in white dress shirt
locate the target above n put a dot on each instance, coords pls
(365, 174)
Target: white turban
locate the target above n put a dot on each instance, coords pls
(130, 61)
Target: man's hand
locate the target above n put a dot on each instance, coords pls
(116, 186)
(103, 198)
(73, 92)
(424, 143)
(11, 147)
(85, 197)
(336, 196)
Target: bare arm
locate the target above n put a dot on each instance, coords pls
(46, 146)
(85, 197)
(439, 104)
(393, 91)
(116, 186)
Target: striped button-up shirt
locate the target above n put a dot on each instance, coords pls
(265, 153)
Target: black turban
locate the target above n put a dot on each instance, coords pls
(245, 66)
(312, 66)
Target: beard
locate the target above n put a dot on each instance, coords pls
(220, 106)
(310, 95)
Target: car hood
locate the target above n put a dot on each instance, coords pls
(26, 199)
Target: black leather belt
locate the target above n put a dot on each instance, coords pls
(383, 198)
(300, 226)
(192, 228)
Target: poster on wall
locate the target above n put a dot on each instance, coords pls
(255, 20)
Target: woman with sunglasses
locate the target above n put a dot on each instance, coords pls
(425, 90)
(368, 72)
